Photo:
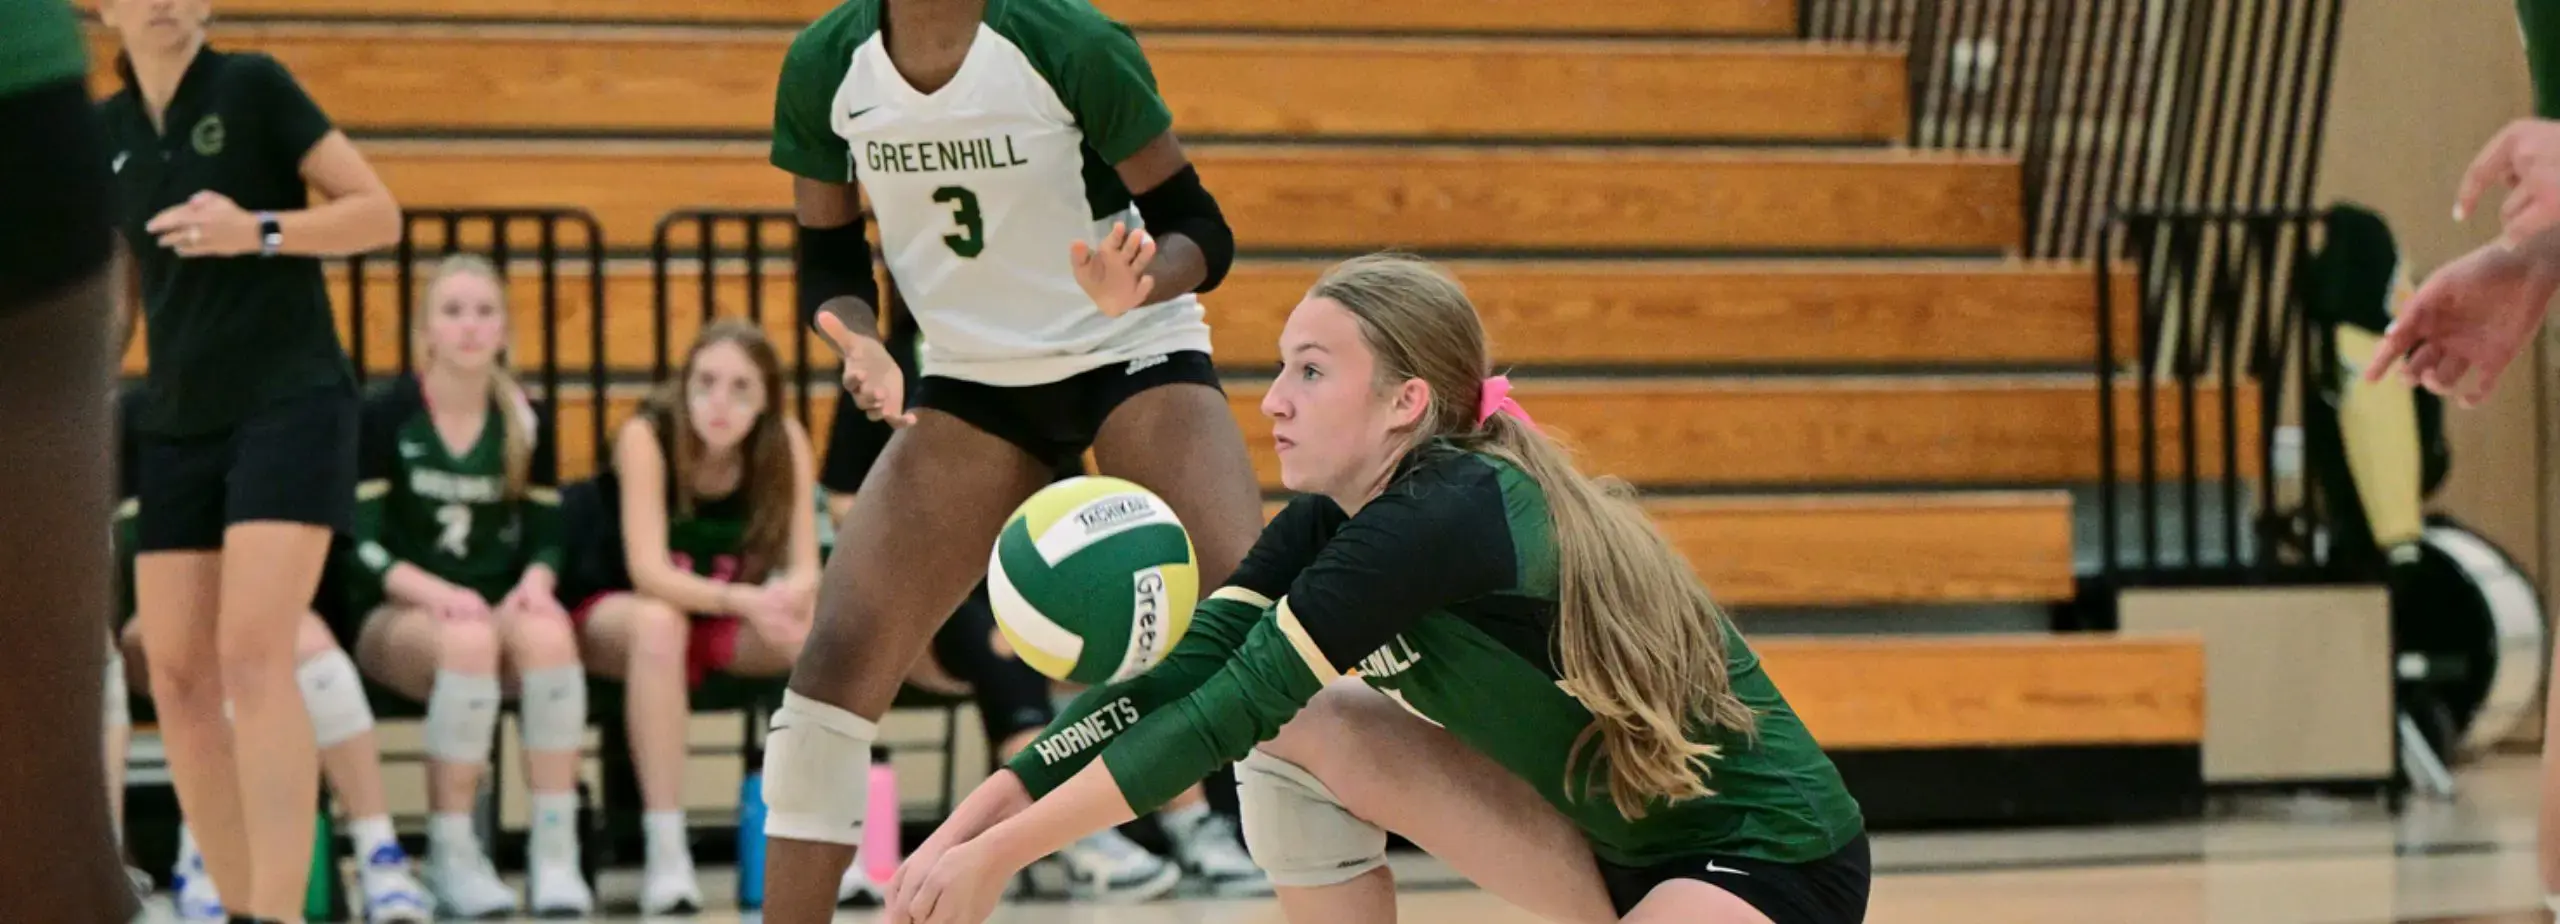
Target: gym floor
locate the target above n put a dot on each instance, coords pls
(2258, 860)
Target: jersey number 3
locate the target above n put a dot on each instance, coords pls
(972, 239)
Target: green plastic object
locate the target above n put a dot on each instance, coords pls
(320, 897)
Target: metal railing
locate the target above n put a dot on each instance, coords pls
(2109, 104)
(2231, 350)
(563, 250)
(737, 255)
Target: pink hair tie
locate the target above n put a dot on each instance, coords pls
(1495, 398)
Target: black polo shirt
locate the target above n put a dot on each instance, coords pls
(227, 334)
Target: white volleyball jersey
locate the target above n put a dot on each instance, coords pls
(980, 187)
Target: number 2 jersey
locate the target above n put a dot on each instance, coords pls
(419, 502)
(1440, 593)
(980, 186)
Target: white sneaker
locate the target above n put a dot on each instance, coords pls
(558, 891)
(391, 894)
(856, 890)
(191, 888)
(1212, 851)
(467, 884)
(669, 888)
(1106, 867)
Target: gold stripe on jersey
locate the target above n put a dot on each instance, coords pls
(373, 490)
(1305, 644)
(542, 495)
(131, 506)
(1241, 595)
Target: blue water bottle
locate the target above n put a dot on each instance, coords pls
(751, 841)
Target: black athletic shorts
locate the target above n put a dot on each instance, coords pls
(1831, 890)
(292, 461)
(1011, 697)
(1056, 422)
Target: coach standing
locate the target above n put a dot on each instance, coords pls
(247, 450)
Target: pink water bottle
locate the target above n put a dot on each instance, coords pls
(880, 856)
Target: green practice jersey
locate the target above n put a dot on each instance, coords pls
(421, 502)
(1441, 593)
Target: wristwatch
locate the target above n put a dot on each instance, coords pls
(270, 235)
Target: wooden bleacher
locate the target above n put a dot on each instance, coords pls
(480, 78)
(1760, 433)
(1350, 196)
(1625, 315)
(1599, 169)
(1628, 17)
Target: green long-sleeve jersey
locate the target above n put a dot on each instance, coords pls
(419, 501)
(1441, 593)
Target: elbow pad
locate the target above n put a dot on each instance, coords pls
(1180, 205)
(833, 263)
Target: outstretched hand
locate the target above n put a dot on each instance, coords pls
(1115, 274)
(2470, 320)
(871, 375)
(2524, 157)
(960, 886)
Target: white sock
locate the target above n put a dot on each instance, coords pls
(666, 835)
(371, 833)
(452, 832)
(1178, 823)
(555, 828)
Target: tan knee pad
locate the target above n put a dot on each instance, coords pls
(1298, 832)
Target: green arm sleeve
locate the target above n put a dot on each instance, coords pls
(1244, 704)
(377, 464)
(2539, 20)
(1108, 84)
(804, 138)
(542, 500)
(1220, 625)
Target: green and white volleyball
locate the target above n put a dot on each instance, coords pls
(1093, 580)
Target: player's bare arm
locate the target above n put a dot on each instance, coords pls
(1186, 247)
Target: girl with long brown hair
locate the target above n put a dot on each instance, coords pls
(1552, 702)
(709, 563)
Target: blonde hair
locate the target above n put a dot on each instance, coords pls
(1638, 640)
(513, 405)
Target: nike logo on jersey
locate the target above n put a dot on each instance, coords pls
(859, 113)
(1712, 867)
(1144, 363)
(412, 450)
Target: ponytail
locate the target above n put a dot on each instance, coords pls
(1638, 640)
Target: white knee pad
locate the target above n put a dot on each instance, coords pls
(554, 709)
(119, 708)
(462, 718)
(335, 696)
(817, 772)
(1297, 831)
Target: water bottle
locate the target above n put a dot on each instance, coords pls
(751, 841)
(880, 823)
